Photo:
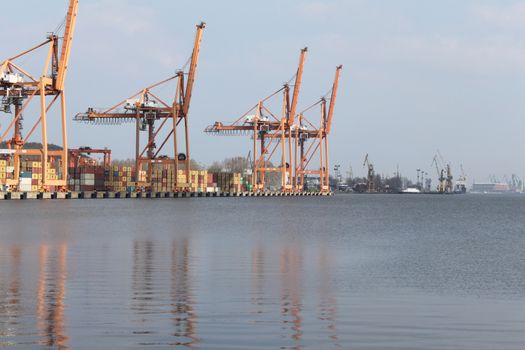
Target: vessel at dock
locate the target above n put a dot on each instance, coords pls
(411, 190)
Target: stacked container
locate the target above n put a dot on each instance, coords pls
(162, 178)
(3, 171)
(116, 178)
(31, 175)
(87, 178)
(121, 178)
(228, 182)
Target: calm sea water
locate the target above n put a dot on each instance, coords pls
(348, 272)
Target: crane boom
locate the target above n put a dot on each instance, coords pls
(365, 162)
(193, 68)
(297, 86)
(27, 86)
(435, 162)
(333, 98)
(66, 44)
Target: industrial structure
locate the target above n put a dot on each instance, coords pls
(440, 174)
(285, 141)
(18, 88)
(82, 156)
(461, 182)
(370, 177)
(305, 131)
(280, 140)
(444, 173)
(145, 109)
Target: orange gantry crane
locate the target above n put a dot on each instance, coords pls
(18, 88)
(305, 131)
(145, 108)
(269, 132)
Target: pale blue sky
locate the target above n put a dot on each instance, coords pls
(418, 75)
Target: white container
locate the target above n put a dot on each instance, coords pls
(25, 188)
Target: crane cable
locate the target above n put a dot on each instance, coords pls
(60, 25)
(187, 62)
(290, 80)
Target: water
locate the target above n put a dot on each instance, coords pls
(348, 272)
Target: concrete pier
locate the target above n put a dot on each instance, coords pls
(151, 195)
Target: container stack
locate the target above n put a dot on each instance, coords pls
(25, 184)
(162, 178)
(31, 175)
(3, 171)
(88, 177)
(35, 168)
(181, 178)
(121, 178)
(198, 180)
(211, 182)
(228, 182)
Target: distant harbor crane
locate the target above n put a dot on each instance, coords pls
(370, 179)
(440, 174)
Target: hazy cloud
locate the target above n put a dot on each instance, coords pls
(482, 57)
(504, 15)
(120, 16)
(319, 8)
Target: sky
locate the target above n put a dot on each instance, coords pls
(418, 76)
